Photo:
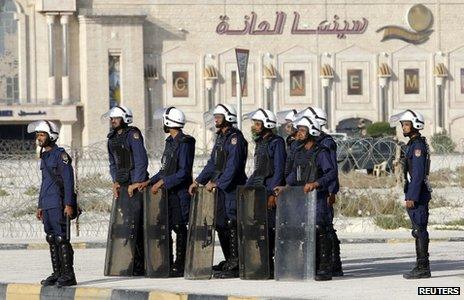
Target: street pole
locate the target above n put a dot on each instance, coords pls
(238, 91)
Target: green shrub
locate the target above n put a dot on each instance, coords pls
(442, 143)
(3, 193)
(394, 221)
(380, 129)
(32, 191)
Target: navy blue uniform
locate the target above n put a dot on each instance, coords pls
(176, 172)
(314, 165)
(56, 190)
(416, 168)
(128, 164)
(270, 156)
(128, 157)
(328, 142)
(226, 167)
(292, 146)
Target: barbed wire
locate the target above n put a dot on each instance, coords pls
(370, 198)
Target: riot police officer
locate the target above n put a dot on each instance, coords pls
(224, 171)
(290, 141)
(176, 176)
(269, 166)
(128, 166)
(328, 142)
(416, 166)
(57, 202)
(314, 170)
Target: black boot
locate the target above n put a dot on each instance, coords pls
(271, 236)
(225, 246)
(67, 277)
(422, 268)
(177, 268)
(324, 261)
(139, 255)
(231, 268)
(336, 261)
(55, 256)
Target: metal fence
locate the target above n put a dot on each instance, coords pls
(370, 199)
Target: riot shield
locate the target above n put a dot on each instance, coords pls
(295, 235)
(253, 232)
(120, 247)
(200, 238)
(156, 234)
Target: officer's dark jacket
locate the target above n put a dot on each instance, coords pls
(292, 145)
(328, 142)
(416, 165)
(305, 161)
(270, 156)
(56, 192)
(226, 165)
(127, 155)
(177, 163)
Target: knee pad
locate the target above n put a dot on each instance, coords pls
(323, 230)
(61, 240)
(417, 231)
(179, 229)
(50, 238)
(231, 224)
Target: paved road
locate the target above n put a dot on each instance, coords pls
(372, 271)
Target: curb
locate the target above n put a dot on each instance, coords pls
(99, 245)
(36, 291)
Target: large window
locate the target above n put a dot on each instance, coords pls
(9, 84)
(114, 69)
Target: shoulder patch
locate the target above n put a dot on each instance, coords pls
(65, 158)
(233, 141)
(417, 152)
(136, 135)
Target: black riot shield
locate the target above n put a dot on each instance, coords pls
(295, 235)
(120, 247)
(200, 241)
(253, 232)
(156, 234)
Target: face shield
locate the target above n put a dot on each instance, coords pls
(208, 119)
(281, 116)
(395, 119)
(105, 118)
(35, 127)
(159, 113)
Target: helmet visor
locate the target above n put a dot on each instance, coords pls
(281, 116)
(395, 119)
(159, 113)
(32, 127)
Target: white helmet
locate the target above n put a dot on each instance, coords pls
(173, 117)
(286, 116)
(290, 116)
(228, 111)
(45, 126)
(315, 112)
(416, 118)
(120, 111)
(314, 128)
(266, 116)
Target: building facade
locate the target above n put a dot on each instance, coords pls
(70, 61)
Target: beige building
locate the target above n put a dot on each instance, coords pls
(70, 60)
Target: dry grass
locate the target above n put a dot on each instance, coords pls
(357, 180)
